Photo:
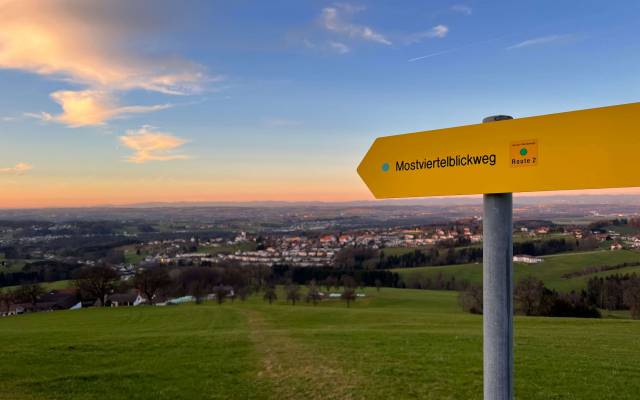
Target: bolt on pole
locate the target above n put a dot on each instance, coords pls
(497, 283)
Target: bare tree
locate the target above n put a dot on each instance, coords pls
(7, 299)
(97, 281)
(529, 294)
(612, 294)
(348, 282)
(270, 294)
(260, 276)
(199, 281)
(378, 284)
(471, 299)
(243, 292)
(151, 281)
(313, 294)
(330, 282)
(349, 295)
(631, 296)
(293, 293)
(28, 293)
(221, 293)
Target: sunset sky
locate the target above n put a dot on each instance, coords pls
(116, 102)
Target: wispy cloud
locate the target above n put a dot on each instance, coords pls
(339, 47)
(337, 19)
(438, 53)
(462, 9)
(437, 32)
(64, 41)
(454, 49)
(150, 144)
(18, 169)
(542, 40)
(91, 107)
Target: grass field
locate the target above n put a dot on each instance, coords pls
(550, 271)
(47, 285)
(13, 266)
(396, 344)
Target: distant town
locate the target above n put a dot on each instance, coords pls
(52, 247)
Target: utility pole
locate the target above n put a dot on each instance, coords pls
(497, 283)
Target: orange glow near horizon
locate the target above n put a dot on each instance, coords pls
(57, 195)
(50, 194)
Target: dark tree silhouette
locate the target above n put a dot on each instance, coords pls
(313, 294)
(97, 281)
(631, 296)
(471, 299)
(199, 281)
(270, 294)
(7, 299)
(29, 293)
(530, 296)
(348, 295)
(221, 293)
(293, 293)
(151, 281)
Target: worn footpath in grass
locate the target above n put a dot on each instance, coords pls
(399, 344)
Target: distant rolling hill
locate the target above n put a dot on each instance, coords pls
(550, 271)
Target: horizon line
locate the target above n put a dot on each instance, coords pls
(369, 202)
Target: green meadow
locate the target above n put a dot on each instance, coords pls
(550, 271)
(393, 344)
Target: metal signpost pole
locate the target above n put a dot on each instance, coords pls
(499, 159)
(497, 279)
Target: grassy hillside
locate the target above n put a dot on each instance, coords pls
(550, 271)
(47, 285)
(393, 344)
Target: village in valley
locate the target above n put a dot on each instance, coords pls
(51, 252)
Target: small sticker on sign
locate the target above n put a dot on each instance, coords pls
(524, 153)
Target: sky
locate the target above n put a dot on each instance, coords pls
(119, 102)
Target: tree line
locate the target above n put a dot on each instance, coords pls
(531, 297)
(303, 275)
(39, 271)
(159, 283)
(615, 292)
(442, 255)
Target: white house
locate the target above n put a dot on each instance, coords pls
(527, 259)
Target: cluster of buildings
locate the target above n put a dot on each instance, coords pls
(300, 250)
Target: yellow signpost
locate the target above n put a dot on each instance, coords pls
(589, 149)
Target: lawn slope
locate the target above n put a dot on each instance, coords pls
(398, 344)
(550, 271)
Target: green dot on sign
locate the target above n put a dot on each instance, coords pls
(523, 152)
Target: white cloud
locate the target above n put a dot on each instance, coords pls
(92, 107)
(89, 108)
(335, 19)
(339, 47)
(462, 9)
(88, 43)
(436, 32)
(150, 144)
(541, 40)
(18, 169)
